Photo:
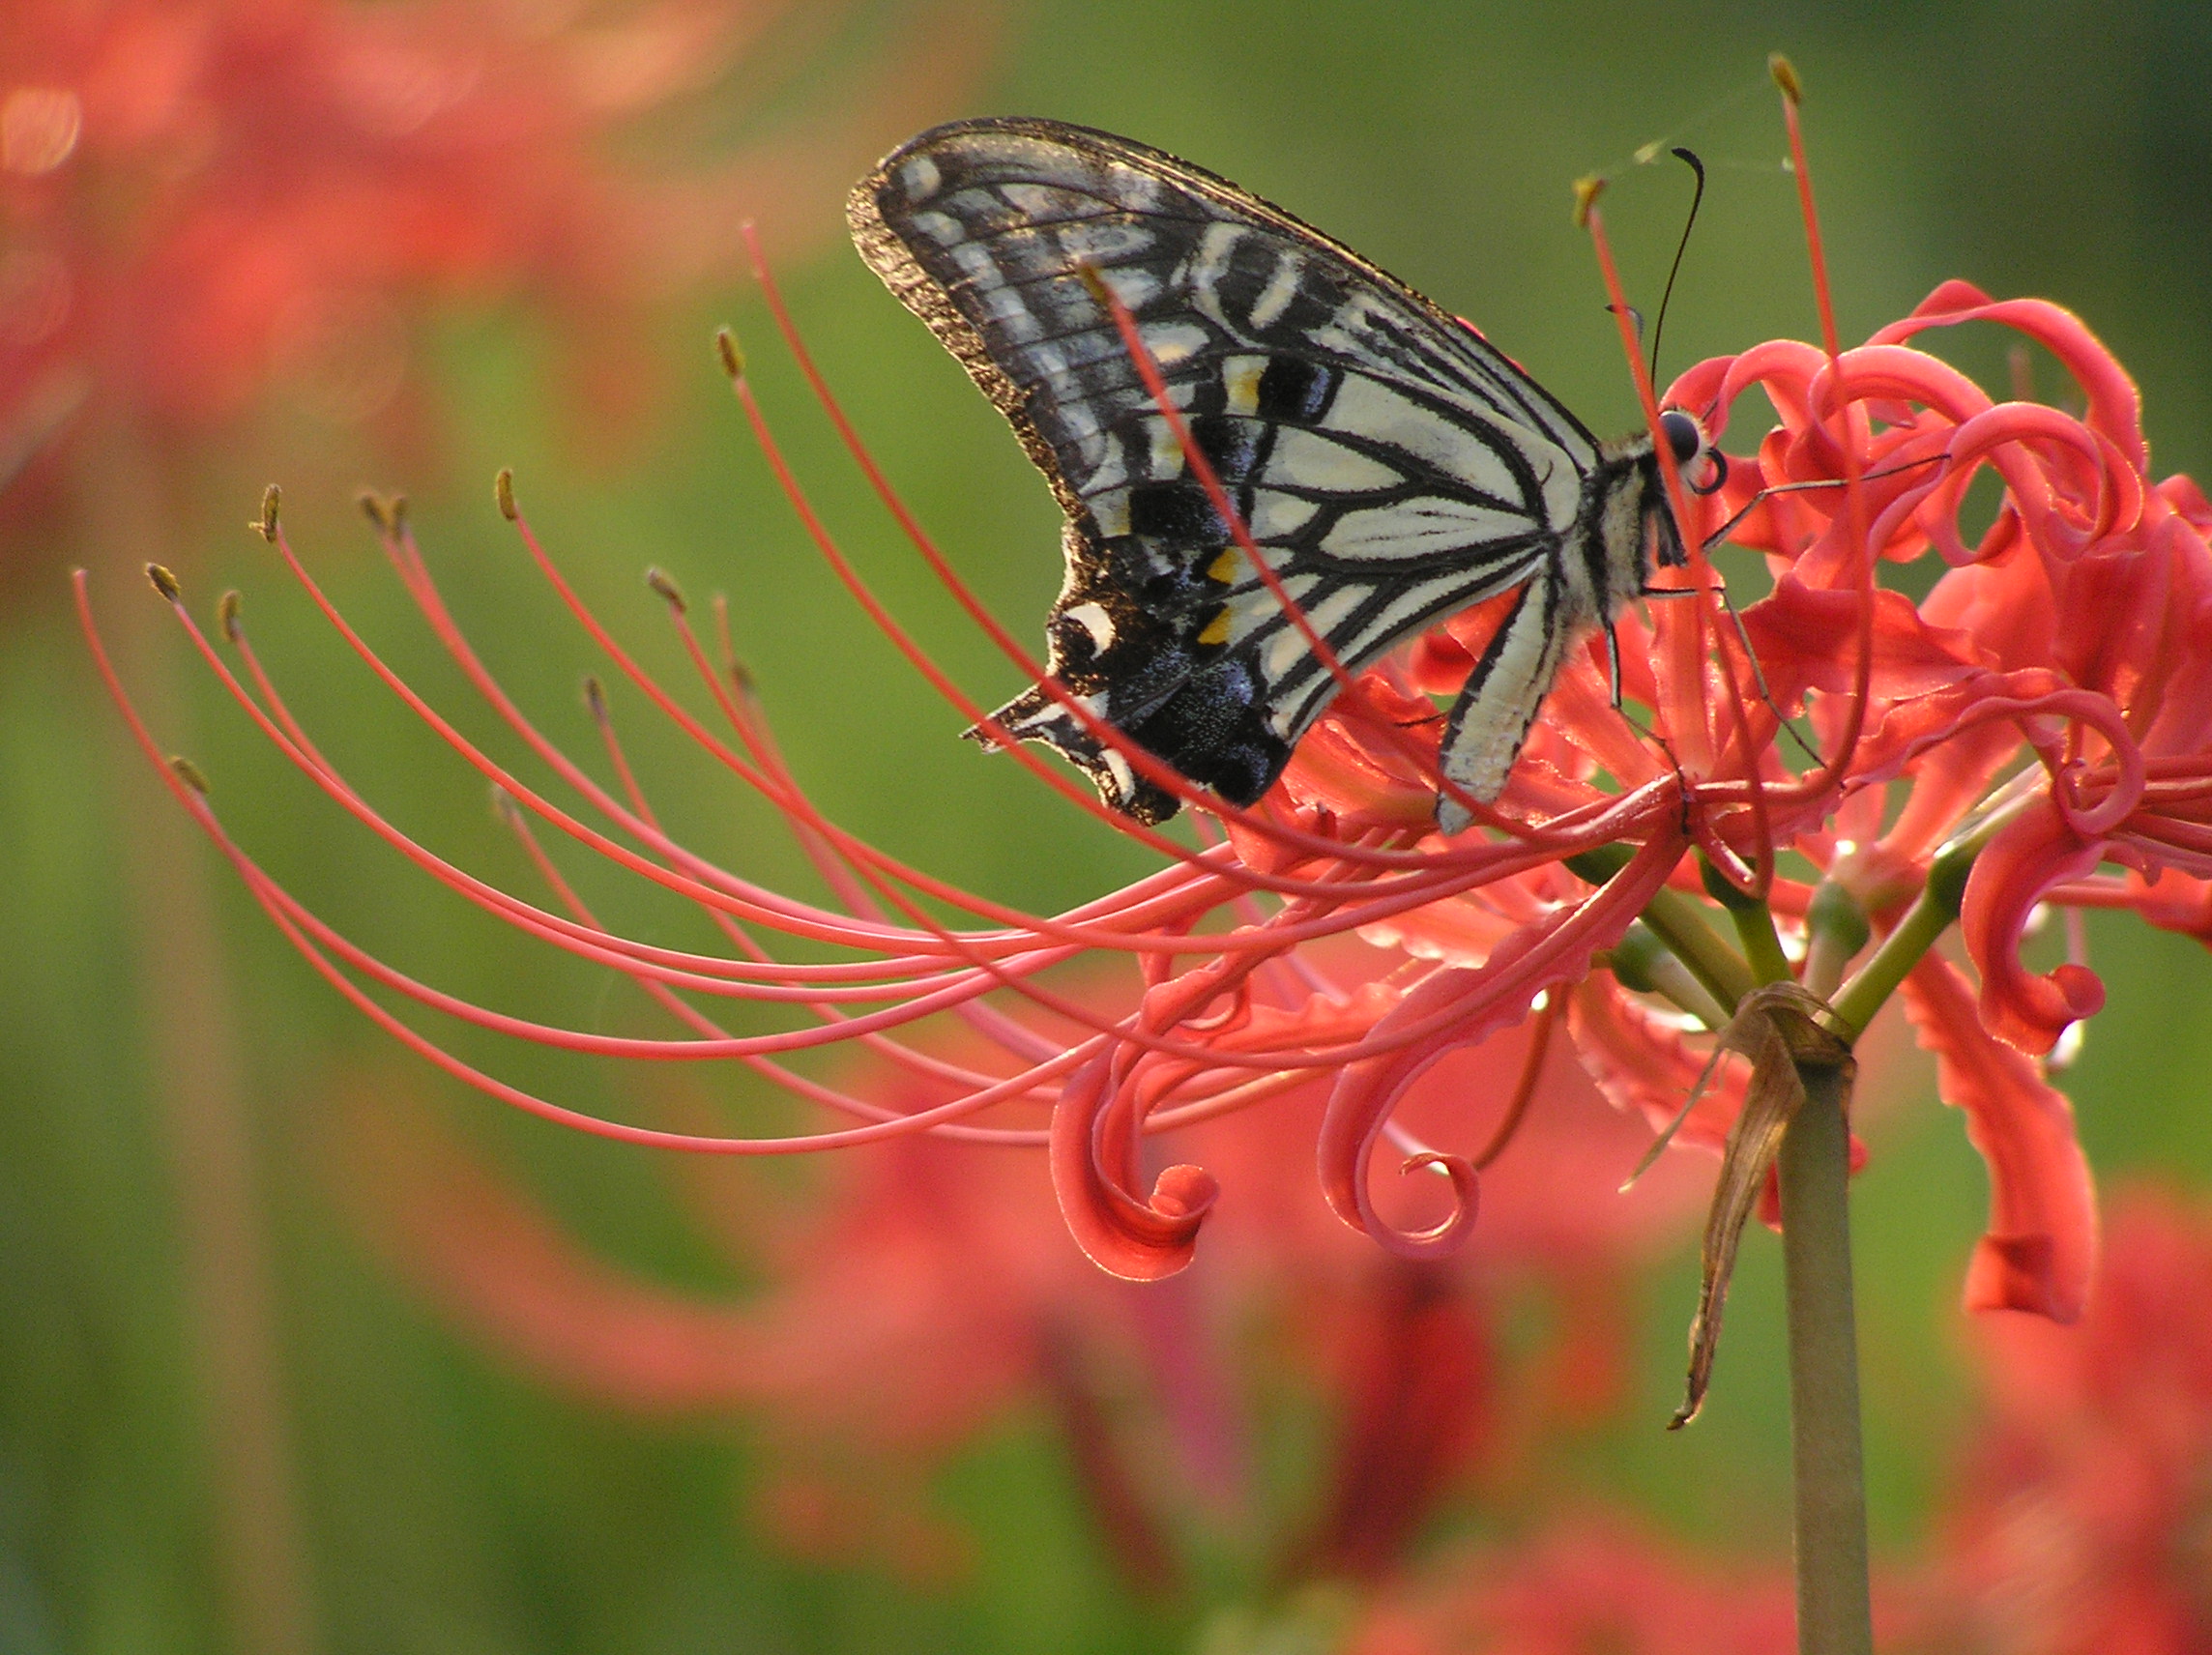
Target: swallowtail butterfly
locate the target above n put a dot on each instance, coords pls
(1389, 464)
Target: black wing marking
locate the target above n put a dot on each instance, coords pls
(1390, 465)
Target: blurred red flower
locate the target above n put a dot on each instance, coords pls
(1584, 1585)
(202, 198)
(923, 1298)
(2083, 1525)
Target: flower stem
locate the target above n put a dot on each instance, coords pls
(1931, 914)
(1833, 1611)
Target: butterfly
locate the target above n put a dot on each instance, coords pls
(1389, 464)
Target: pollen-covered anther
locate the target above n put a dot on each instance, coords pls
(190, 773)
(388, 512)
(164, 581)
(1587, 188)
(503, 493)
(667, 590)
(226, 609)
(1784, 75)
(265, 525)
(1087, 273)
(732, 360)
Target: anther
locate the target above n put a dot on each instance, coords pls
(667, 589)
(378, 510)
(726, 348)
(189, 774)
(227, 614)
(164, 581)
(266, 525)
(503, 807)
(1587, 188)
(596, 698)
(1784, 75)
(502, 492)
(1088, 274)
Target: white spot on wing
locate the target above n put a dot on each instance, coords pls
(1305, 459)
(919, 178)
(1276, 517)
(1240, 383)
(1133, 285)
(1421, 528)
(1124, 779)
(1282, 287)
(1035, 201)
(1174, 342)
(1167, 458)
(1365, 408)
(1093, 620)
(943, 228)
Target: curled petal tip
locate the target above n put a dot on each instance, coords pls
(164, 581)
(732, 360)
(1784, 75)
(503, 493)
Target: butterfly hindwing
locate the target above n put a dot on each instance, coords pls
(1389, 465)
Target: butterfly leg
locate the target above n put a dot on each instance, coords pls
(1743, 636)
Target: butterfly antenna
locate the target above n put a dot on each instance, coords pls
(1690, 158)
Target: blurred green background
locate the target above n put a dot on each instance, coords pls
(446, 1504)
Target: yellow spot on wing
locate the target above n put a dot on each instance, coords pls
(1225, 567)
(1240, 378)
(1216, 629)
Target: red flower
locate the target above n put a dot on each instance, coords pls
(2084, 1522)
(202, 197)
(922, 1300)
(1970, 732)
(1588, 1585)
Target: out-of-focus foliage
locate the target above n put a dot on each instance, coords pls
(454, 1503)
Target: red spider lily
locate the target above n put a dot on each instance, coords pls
(201, 199)
(920, 1303)
(1588, 1584)
(2085, 1522)
(1973, 750)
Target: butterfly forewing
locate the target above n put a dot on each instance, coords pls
(1389, 464)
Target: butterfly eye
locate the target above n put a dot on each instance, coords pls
(1687, 438)
(1684, 435)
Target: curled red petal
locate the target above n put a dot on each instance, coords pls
(1138, 1240)
(2039, 1251)
(1546, 955)
(2026, 859)
(2115, 406)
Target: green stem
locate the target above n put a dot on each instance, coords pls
(1676, 921)
(1639, 961)
(1932, 914)
(1755, 929)
(1836, 929)
(1834, 1616)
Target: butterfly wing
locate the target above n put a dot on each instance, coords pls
(1389, 465)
